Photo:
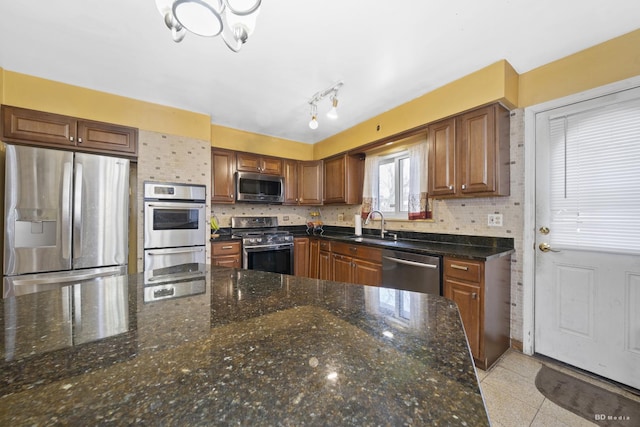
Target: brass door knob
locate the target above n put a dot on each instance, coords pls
(545, 247)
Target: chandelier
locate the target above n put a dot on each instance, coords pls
(234, 20)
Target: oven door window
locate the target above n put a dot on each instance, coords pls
(175, 219)
(273, 260)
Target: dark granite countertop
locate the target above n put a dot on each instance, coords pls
(238, 348)
(470, 247)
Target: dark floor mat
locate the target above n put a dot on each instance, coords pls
(587, 400)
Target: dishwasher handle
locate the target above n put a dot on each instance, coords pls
(412, 263)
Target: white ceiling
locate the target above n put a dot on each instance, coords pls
(386, 53)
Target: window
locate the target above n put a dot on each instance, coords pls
(393, 184)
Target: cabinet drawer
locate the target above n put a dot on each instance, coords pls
(462, 269)
(325, 246)
(225, 248)
(357, 251)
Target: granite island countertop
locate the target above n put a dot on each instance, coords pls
(238, 347)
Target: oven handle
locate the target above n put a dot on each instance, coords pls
(176, 205)
(176, 252)
(262, 248)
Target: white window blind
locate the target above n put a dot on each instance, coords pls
(595, 178)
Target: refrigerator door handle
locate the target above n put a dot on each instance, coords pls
(77, 213)
(66, 210)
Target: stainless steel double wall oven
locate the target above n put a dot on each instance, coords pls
(175, 226)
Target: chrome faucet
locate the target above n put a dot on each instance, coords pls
(382, 230)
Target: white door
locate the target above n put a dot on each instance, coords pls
(587, 284)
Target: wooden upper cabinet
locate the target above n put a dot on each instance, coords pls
(247, 162)
(442, 157)
(107, 137)
(343, 179)
(484, 152)
(469, 154)
(40, 128)
(290, 174)
(223, 164)
(302, 182)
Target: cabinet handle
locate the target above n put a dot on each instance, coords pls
(71, 138)
(231, 195)
(474, 295)
(459, 267)
(353, 249)
(451, 187)
(464, 186)
(79, 140)
(227, 247)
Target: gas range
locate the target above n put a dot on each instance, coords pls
(264, 247)
(259, 231)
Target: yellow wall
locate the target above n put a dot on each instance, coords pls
(608, 62)
(26, 91)
(497, 82)
(234, 139)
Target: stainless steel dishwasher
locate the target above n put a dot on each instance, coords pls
(412, 272)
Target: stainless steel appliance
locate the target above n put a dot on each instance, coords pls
(264, 247)
(411, 272)
(66, 216)
(257, 187)
(175, 228)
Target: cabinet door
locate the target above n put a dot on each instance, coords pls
(310, 183)
(222, 176)
(290, 168)
(301, 256)
(367, 273)
(105, 137)
(342, 268)
(247, 162)
(271, 165)
(442, 158)
(468, 298)
(334, 180)
(324, 265)
(30, 126)
(478, 151)
(314, 254)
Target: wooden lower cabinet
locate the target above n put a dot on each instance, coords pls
(314, 254)
(325, 272)
(301, 256)
(226, 254)
(482, 291)
(356, 264)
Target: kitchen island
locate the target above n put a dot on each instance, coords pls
(227, 346)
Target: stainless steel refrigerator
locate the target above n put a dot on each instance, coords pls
(66, 217)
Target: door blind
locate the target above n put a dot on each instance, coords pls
(595, 178)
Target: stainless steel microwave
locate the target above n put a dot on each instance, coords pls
(260, 188)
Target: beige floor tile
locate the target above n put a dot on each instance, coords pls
(481, 374)
(505, 410)
(551, 410)
(522, 364)
(515, 385)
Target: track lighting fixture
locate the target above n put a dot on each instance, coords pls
(319, 96)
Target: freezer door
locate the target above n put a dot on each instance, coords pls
(100, 211)
(38, 184)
